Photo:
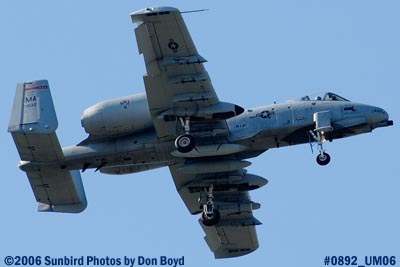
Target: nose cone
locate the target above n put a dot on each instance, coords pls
(378, 117)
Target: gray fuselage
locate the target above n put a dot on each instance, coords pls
(258, 129)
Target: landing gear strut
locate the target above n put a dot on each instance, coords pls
(210, 215)
(185, 143)
(323, 158)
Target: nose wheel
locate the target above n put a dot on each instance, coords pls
(323, 158)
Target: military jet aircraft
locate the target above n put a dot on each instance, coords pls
(180, 123)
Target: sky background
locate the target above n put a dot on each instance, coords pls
(258, 52)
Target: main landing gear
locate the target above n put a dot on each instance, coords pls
(210, 216)
(323, 158)
(185, 143)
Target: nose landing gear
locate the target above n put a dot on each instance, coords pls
(322, 123)
(323, 158)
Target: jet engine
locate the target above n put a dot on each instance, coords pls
(125, 115)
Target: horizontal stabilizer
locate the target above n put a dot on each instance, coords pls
(58, 190)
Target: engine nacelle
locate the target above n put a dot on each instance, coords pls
(125, 115)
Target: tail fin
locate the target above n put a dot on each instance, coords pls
(32, 125)
(33, 110)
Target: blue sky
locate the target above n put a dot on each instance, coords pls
(258, 52)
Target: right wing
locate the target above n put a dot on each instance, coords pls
(32, 125)
(235, 234)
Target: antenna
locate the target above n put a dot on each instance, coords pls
(193, 11)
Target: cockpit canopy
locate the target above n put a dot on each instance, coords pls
(326, 97)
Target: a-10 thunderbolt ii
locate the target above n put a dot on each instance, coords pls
(180, 123)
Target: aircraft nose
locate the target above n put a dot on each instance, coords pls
(378, 117)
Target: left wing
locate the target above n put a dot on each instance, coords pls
(177, 84)
(235, 234)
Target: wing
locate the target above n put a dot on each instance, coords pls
(178, 88)
(235, 234)
(177, 84)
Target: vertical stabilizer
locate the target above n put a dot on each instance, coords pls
(33, 109)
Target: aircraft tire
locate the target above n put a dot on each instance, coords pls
(211, 221)
(323, 160)
(184, 143)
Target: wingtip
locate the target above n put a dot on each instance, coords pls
(139, 15)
